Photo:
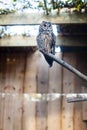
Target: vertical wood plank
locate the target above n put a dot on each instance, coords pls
(55, 77)
(55, 86)
(1, 110)
(41, 114)
(83, 68)
(2, 95)
(17, 110)
(13, 72)
(30, 83)
(78, 120)
(42, 76)
(68, 87)
(30, 86)
(8, 113)
(42, 84)
(67, 115)
(0, 105)
(29, 114)
(54, 115)
(84, 106)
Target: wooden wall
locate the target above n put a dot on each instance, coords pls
(23, 75)
(29, 18)
(20, 41)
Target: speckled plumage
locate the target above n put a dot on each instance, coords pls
(46, 40)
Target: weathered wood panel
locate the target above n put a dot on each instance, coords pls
(29, 114)
(42, 77)
(2, 108)
(22, 74)
(82, 65)
(8, 113)
(41, 114)
(21, 41)
(12, 72)
(11, 78)
(84, 106)
(68, 87)
(54, 114)
(78, 120)
(30, 84)
(42, 87)
(18, 41)
(29, 18)
(17, 112)
(55, 76)
(55, 86)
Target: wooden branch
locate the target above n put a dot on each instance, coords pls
(66, 65)
(76, 98)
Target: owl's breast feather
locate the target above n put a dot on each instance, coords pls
(46, 37)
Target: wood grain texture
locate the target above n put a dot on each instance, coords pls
(20, 41)
(8, 113)
(55, 77)
(2, 107)
(68, 87)
(42, 87)
(29, 18)
(29, 115)
(84, 106)
(17, 112)
(24, 74)
(55, 86)
(41, 115)
(54, 115)
(12, 72)
(42, 77)
(83, 67)
(30, 81)
(78, 121)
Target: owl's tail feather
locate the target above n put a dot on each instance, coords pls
(49, 60)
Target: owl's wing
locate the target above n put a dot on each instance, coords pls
(40, 42)
(53, 43)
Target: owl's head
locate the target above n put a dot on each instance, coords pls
(45, 26)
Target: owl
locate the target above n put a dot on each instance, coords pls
(46, 40)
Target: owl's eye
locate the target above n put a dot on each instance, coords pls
(49, 25)
(44, 25)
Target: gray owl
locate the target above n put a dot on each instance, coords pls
(46, 40)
